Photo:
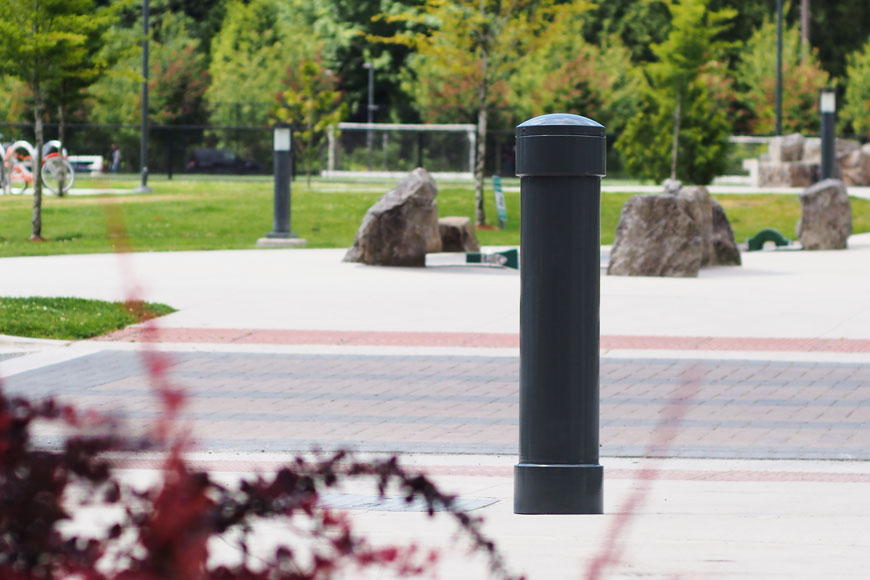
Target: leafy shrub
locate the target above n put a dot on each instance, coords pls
(681, 127)
(856, 102)
(164, 532)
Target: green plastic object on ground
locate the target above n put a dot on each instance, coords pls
(757, 241)
(500, 207)
(507, 259)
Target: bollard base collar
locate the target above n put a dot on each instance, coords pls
(558, 489)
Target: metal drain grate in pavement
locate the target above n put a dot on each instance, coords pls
(351, 501)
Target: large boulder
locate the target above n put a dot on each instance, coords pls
(812, 152)
(702, 212)
(457, 235)
(725, 250)
(826, 216)
(401, 227)
(657, 235)
(786, 148)
(855, 166)
(789, 174)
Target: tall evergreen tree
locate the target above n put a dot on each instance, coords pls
(680, 131)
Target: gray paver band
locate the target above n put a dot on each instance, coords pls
(468, 404)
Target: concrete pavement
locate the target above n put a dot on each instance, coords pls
(279, 349)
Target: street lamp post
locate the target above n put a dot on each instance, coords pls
(143, 150)
(827, 110)
(778, 67)
(370, 110)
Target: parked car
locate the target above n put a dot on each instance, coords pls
(219, 161)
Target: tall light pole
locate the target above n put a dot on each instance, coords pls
(370, 110)
(778, 67)
(143, 150)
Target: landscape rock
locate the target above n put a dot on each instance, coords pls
(657, 235)
(851, 168)
(672, 186)
(826, 216)
(702, 212)
(786, 148)
(401, 227)
(457, 235)
(812, 152)
(855, 166)
(792, 174)
(725, 250)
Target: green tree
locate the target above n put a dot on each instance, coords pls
(40, 41)
(568, 74)
(679, 119)
(466, 53)
(84, 64)
(801, 81)
(257, 42)
(856, 102)
(312, 104)
(14, 98)
(359, 26)
(637, 24)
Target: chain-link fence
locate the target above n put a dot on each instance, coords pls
(353, 149)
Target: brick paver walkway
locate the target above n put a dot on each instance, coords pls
(468, 404)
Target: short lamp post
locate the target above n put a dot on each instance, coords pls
(143, 146)
(281, 236)
(370, 110)
(828, 110)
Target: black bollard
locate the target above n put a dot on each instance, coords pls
(281, 236)
(281, 221)
(827, 110)
(560, 160)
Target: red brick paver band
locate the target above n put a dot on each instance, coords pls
(480, 340)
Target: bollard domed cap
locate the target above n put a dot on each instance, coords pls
(561, 145)
(560, 124)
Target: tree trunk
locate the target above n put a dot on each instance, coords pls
(480, 213)
(676, 137)
(805, 29)
(36, 221)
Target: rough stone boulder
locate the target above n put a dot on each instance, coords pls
(457, 235)
(786, 148)
(812, 152)
(826, 216)
(855, 166)
(725, 250)
(657, 235)
(702, 212)
(401, 227)
(790, 174)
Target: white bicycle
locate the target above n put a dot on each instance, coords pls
(57, 174)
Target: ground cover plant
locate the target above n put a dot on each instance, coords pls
(72, 318)
(199, 214)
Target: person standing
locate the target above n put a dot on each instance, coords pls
(116, 158)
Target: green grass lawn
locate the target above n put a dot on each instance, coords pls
(207, 214)
(71, 318)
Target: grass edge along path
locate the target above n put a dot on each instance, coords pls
(65, 318)
(227, 215)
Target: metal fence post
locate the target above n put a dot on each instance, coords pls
(827, 110)
(560, 160)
